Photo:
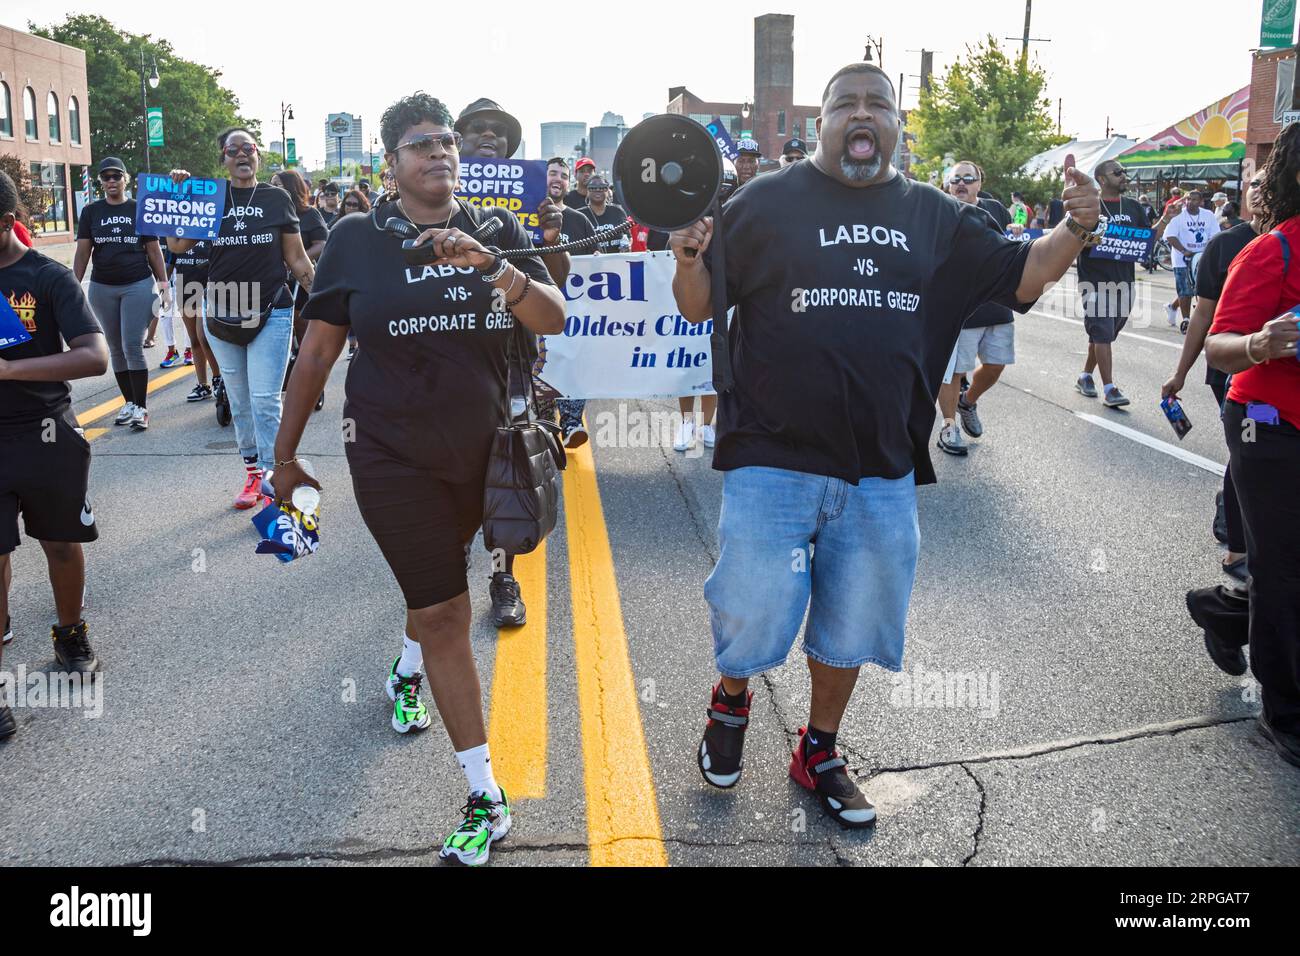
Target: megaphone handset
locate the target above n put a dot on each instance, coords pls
(694, 239)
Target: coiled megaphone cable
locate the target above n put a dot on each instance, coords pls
(421, 254)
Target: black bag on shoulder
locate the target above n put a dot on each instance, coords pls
(521, 492)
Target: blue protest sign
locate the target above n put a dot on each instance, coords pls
(188, 210)
(516, 185)
(723, 139)
(13, 330)
(1124, 244)
(1026, 235)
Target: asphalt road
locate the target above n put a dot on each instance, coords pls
(244, 718)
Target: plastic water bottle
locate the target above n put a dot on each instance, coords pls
(306, 498)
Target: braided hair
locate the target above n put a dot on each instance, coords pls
(1279, 193)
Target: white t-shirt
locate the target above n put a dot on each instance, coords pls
(1194, 231)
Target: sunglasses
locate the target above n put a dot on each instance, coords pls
(243, 149)
(109, 177)
(967, 179)
(352, 204)
(422, 145)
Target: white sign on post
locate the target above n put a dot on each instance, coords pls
(1290, 116)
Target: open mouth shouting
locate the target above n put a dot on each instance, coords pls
(860, 144)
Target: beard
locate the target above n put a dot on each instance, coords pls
(860, 171)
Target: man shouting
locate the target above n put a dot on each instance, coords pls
(850, 303)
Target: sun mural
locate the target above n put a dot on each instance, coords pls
(1217, 132)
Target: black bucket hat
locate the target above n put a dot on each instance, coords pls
(486, 109)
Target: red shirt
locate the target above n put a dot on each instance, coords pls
(23, 235)
(1256, 293)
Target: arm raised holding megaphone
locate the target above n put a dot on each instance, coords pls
(691, 282)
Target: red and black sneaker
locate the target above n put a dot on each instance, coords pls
(823, 773)
(722, 749)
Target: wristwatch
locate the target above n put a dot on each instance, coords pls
(1083, 234)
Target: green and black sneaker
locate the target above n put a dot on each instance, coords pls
(409, 712)
(486, 821)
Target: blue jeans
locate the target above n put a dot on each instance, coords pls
(1184, 282)
(253, 375)
(854, 581)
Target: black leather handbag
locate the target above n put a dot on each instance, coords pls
(521, 494)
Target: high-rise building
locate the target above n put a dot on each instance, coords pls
(353, 142)
(604, 143)
(562, 138)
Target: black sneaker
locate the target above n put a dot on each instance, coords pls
(199, 393)
(507, 607)
(1287, 745)
(9, 631)
(823, 773)
(72, 650)
(1220, 526)
(8, 726)
(1224, 615)
(722, 750)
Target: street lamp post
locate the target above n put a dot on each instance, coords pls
(286, 112)
(144, 103)
(879, 45)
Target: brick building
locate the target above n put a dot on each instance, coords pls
(1271, 79)
(775, 117)
(45, 122)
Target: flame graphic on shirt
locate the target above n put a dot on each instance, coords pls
(26, 309)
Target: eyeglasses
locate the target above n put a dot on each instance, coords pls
(422, 145)
(352, 204)
(243, 149)
(110, 177)
(967, 179)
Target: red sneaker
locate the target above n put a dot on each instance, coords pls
(189, 356)
(823, 773)
(252, 492)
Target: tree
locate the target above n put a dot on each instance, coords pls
(28, 195)
(992, 111)
(196, 107)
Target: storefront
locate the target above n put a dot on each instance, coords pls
(1206, 148)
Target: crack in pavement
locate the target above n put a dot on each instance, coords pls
(1170, 729)
(979, 820)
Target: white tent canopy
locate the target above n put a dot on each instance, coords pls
(1088, 154)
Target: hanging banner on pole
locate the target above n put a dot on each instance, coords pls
(1277, 23)
(155, 116)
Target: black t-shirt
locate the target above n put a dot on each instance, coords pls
(327, 217)
(574, 199)
(192, 265)
(576, 226)
(248, 247)
(1213, 273)
(613, 215)
(990, 313)
(118, 256)
(1153, 217)
(850, 304)
(1128, 212)
(427, 388)
(313, 226)
(51, 305)
(657, 241)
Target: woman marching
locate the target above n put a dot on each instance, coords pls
(128, 280)
(425, 394)
(249, 309)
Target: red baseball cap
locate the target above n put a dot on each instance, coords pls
(585, 161)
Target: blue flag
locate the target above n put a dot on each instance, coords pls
(723, 139)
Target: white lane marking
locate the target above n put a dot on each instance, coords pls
(1131, 335)
(1213, 467)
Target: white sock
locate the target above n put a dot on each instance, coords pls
(412, 659)
(478, 771)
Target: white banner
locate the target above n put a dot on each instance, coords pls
(623, 336)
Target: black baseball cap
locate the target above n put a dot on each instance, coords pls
(330, 189)
(111, 162)
(795, 144)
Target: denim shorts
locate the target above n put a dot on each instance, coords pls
(795, 544)
(1185, 282)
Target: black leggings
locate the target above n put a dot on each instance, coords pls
(1267, 474)
(423, 527)
(1231, 506)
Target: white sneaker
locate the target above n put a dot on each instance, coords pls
(140, 419)
(125, 414)
(707, 435)
(685, 436)
(1171, 313)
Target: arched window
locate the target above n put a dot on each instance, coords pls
(6, 111)
(74, 121)
(29, 112)
(52, 110)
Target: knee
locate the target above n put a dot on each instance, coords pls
(61, 552)
(444, 622)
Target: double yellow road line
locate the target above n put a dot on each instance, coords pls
(107, 408)
(623, 825)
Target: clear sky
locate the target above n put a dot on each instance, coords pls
(549, 61)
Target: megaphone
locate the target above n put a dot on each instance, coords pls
(669, 171)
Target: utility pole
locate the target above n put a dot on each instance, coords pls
(1060, 106)
(1026, 39)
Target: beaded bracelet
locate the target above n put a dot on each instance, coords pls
(528, 284)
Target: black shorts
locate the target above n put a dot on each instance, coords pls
(423, 527)
(44, 473)
(1105, 311)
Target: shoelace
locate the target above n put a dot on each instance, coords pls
(254, 479)
(408, 689)
(477, 808)
(510, 586)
